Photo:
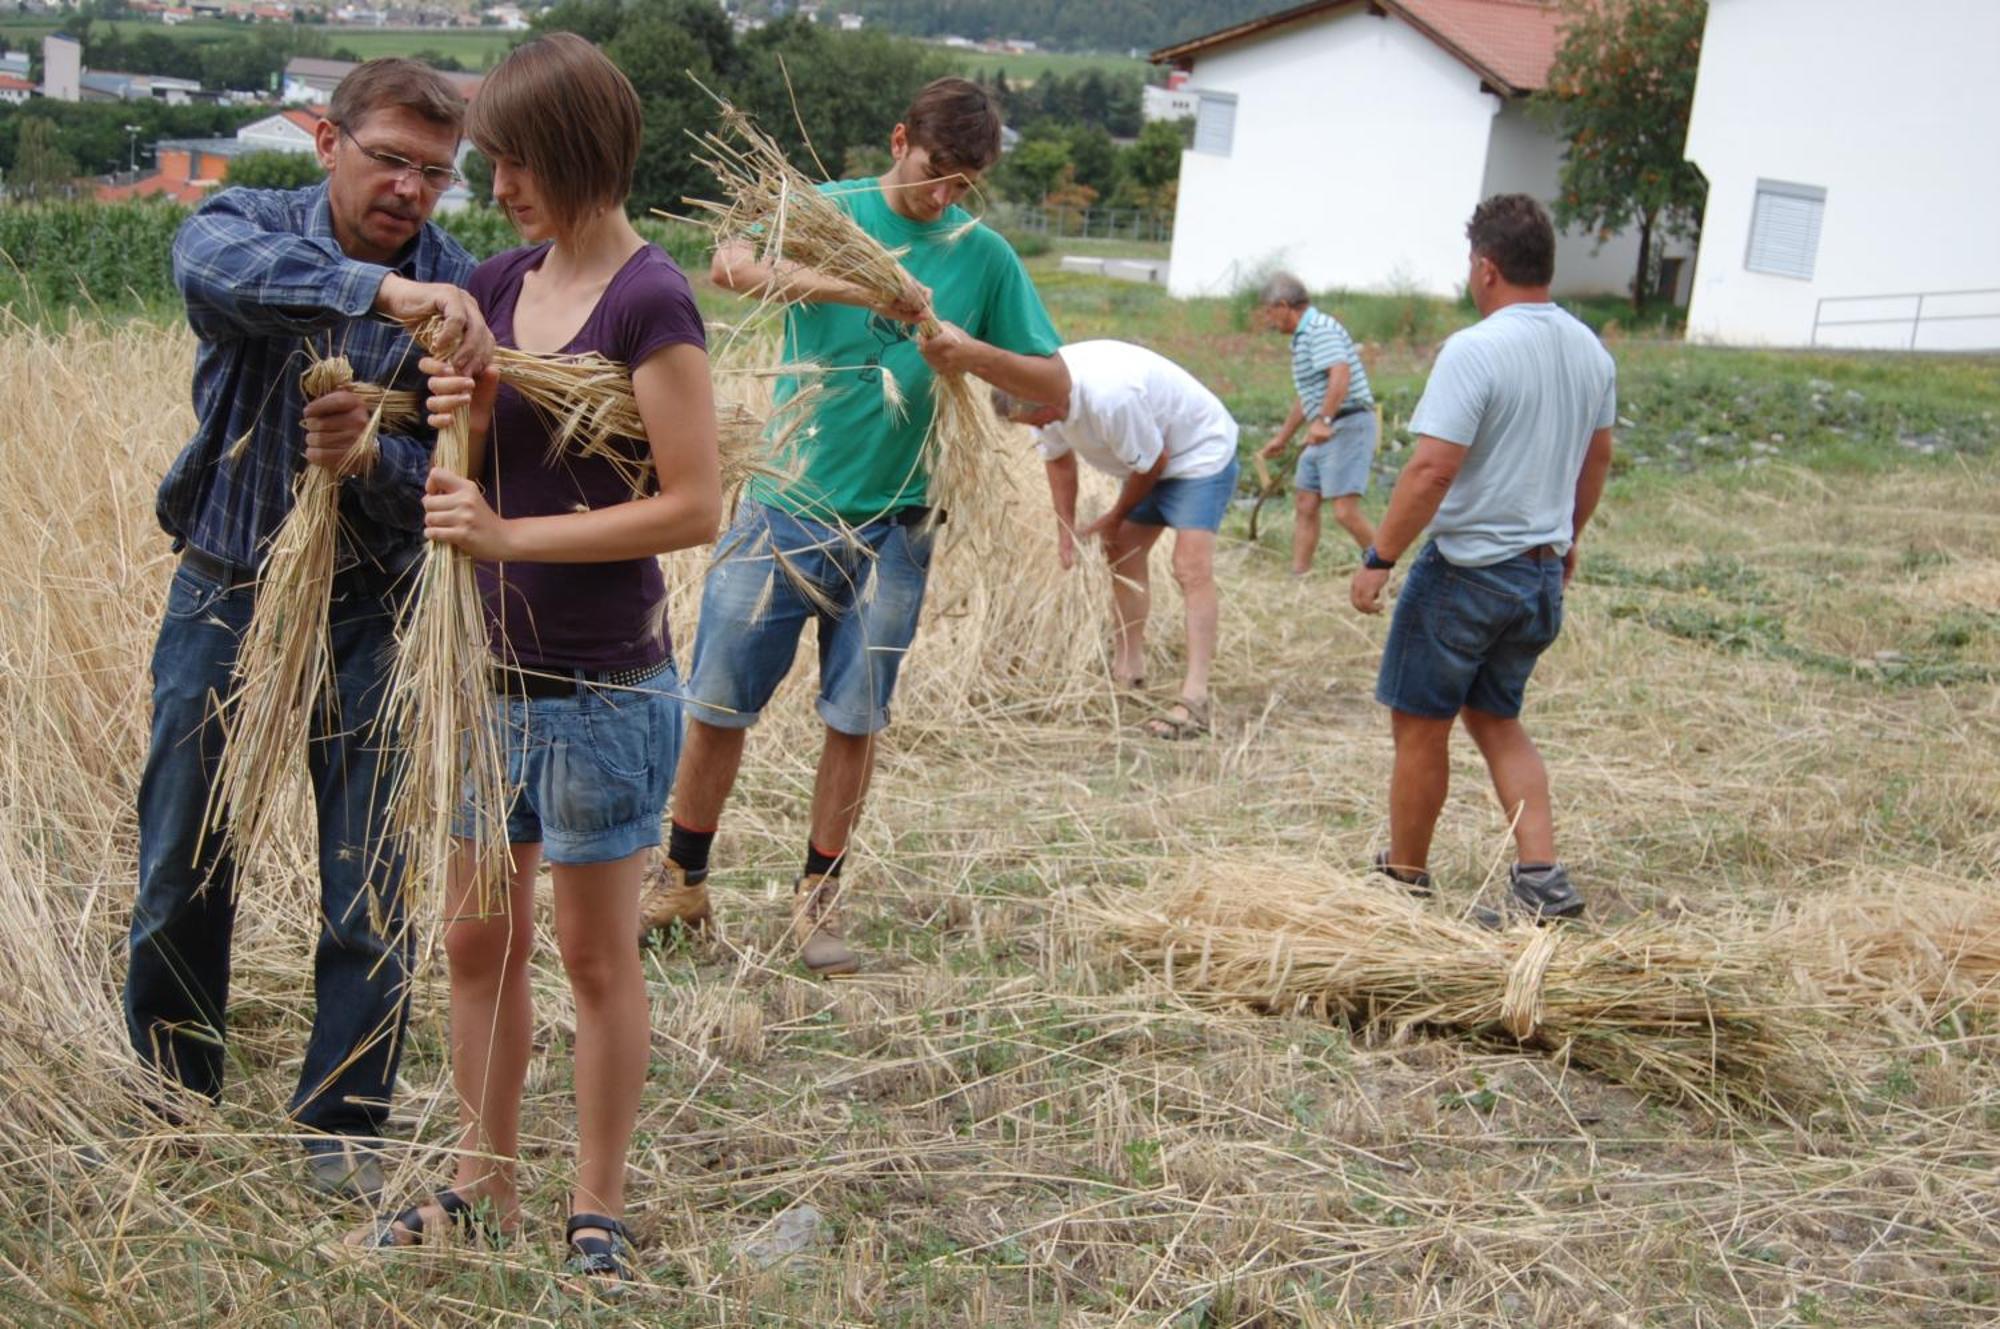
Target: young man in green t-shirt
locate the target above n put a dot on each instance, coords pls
(858, 463)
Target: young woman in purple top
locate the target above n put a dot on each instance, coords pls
(577, 609)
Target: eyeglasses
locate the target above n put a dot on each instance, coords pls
(437, 179)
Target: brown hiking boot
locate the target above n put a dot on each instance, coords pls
(817, 926)
(670, 898)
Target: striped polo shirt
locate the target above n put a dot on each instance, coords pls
(1318, 344)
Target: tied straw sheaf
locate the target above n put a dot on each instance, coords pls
(439, 714)
(780, 212)
(1646, 1004)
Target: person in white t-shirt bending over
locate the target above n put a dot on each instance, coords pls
(1513, 445)
(1139, 417)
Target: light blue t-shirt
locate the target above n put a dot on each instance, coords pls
(1318, 344)
(1522, 391)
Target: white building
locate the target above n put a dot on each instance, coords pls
(62, 68)
(14, 63)
(1853, 164)
(1176, 101)
(287, 131)
(14, 91)
(1349, 140)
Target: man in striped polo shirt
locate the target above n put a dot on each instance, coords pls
(1338, 409)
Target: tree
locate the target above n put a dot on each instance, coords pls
(275, 170)
(1620, 92)
(1095, 158)
(41, 168)
(1033, 168)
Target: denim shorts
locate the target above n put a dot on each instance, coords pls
(1188, 505)
(1341, 465)
(1469, 637)
(753, 610)
(589, 773)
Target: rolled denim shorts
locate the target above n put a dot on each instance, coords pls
(1469, 637)
(1188, 505)
(589, 773)
(1341, 465)
(753, 610)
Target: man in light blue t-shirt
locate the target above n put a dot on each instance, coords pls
(1513, 445)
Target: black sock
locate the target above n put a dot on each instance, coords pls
(688, 850)
(823, 865)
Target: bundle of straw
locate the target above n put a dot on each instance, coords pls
(1646, 1005)
(441, 710)
(588, 403)
(775, 208)
(283, 666)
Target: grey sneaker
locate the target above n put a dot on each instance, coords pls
(1545, 891)
(346, 1171)
(1414, 880)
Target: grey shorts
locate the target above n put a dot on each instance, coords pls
(1341, 465)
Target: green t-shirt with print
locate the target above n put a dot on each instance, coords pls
(857, 459)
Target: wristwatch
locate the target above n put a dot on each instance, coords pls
(1374, 562)
(1326, 419)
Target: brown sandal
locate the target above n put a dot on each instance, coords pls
(1173, 729)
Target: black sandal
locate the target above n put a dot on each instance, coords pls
(459, 1210)
(599, 1257)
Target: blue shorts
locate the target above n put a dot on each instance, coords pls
(1188, 505)
(1469, 637)
(590, 772)
(1341, 465)
(753, 610)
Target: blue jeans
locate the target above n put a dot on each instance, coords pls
(752, 612)
(1469, 637)
(1188, 505)
(590, 772)
(177, 986)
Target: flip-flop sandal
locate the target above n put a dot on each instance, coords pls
(1170, 729)
(458, 1211)
(602, 1263)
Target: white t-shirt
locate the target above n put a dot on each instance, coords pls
(1127, 403)
(1522, 391)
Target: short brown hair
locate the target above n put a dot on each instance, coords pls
(560, 108)
(1513, 232)
(394, 81)
(957, 122)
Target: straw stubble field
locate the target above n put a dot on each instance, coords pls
(1012, 1118)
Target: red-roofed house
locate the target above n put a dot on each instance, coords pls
(1349, 140)
(15, 90)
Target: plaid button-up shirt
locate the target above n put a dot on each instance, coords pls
(263, 274)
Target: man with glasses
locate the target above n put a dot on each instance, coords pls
(340, 266)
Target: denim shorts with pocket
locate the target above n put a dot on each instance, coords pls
(1469, 637)
(1198, 504)
(869, 595)
(588, 774)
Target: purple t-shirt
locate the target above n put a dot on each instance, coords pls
(595, 616)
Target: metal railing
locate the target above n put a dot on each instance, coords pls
(1086, 223)
(1916, 318)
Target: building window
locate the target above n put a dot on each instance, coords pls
(1784, 229)
(1215, 123)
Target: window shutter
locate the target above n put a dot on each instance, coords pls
(1215, 123)
(1784, 229)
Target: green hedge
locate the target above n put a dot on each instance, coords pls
(119, 256)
